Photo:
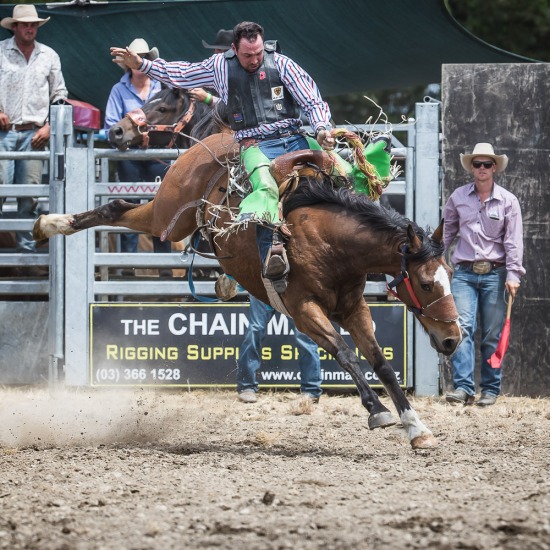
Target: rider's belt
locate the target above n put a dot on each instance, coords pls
(24, 127)
(286, 132)
(481, 267)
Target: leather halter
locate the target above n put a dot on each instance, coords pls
(139, 119)
(443, 309)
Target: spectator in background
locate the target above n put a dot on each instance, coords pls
(30, 81)
(486, 218)
(222, 43)
(132, 91)
(250, 356)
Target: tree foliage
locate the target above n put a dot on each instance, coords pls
(522, 28)
(519, 27)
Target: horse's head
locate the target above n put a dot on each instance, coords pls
(166, 113)
(424, 285)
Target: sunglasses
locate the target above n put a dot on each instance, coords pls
(478, 164)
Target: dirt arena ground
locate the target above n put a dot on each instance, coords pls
(160, 470)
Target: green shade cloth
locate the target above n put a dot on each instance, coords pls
(346, 45)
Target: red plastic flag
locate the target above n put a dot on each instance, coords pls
(496, 359)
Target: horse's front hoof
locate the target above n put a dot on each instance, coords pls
(424, 441)
(381, 420)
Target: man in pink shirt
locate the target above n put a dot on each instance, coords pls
(486, 219)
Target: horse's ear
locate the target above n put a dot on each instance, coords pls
(437, 235)
(414, 242)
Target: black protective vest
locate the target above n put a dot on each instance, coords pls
(260, 97)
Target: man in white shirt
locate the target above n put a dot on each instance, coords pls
(30, 81)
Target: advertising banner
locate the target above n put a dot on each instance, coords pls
(197, 345)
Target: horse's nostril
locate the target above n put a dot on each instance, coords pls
(118, 131)
(450, 344)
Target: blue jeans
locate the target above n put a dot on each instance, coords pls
(17, 172)
(273, 148)
(484, 294)
(250, 353)
(140, 171)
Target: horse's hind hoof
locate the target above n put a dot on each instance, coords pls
(37, 233)
(225, 288)
(381, 420)
(48, 225)
(424, 441)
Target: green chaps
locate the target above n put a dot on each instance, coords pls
(263, 202)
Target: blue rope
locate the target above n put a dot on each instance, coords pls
(190, 276)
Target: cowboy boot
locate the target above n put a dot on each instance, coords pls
(272, 253)
(276, 264)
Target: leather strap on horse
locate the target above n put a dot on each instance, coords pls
(182, 122)
(208, 255)
(139, 119)
(213, 181)
(274, 297)
(443, 309)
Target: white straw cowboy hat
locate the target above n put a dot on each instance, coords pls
(139, 46)
(24, 13)
(223, 40)
(484, 150)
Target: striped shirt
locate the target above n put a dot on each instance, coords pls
(28, 89)
(493, 231)
(213, 73)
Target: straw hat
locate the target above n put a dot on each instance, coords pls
(24, 13)
(484, 150)
(139, 46)
(223, 40)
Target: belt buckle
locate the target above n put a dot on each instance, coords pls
(482, 267)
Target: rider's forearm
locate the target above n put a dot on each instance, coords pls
(179, 74)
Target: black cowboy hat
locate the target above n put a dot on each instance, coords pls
(222, 41)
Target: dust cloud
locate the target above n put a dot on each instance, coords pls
(84, 418)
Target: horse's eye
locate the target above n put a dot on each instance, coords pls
(162, 109)
(427, 288)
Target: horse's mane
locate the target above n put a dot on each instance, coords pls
(214, 121)
(169, 95)
(373, 215)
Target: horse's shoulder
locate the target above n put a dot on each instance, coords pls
(212, 149)
(221, 140)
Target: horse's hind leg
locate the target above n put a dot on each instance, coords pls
(359, 325)
(117, 213)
